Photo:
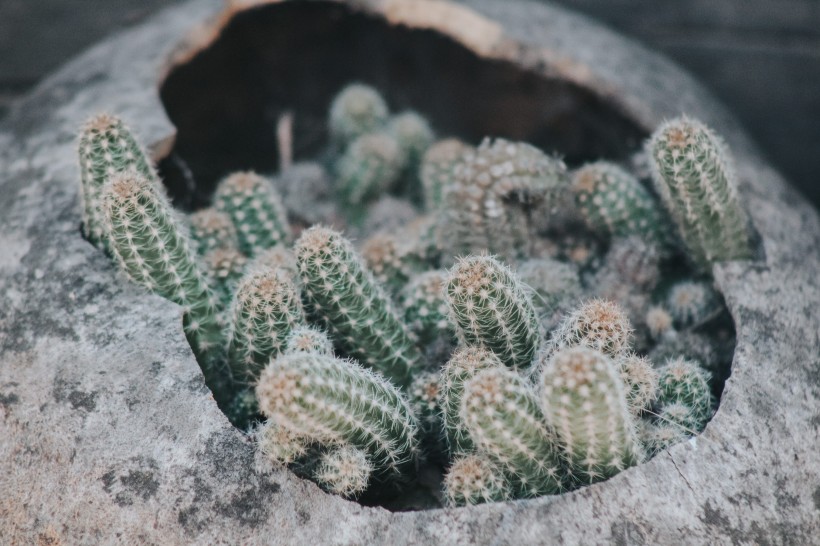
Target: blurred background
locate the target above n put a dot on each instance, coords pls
(760, 57)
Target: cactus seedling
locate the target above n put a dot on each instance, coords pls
(357, 109)
(212, 229)
(424, 399)
(491, 308)
(255, 209)
(597, 324)
(345, 298)
(438, 170)
(473, 479)
(658, 436)
(368, 168)
(584, 401)
(344, 470)
(337, 401)
(659, 322)
(694, 174)
(308, 339)
(556, 285)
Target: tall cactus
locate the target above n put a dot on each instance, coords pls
(337, 401)
(344, 297)
(694, 174)
(491, 308)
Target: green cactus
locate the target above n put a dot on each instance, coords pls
(150, 246)
(255, 209)
(425, 307)
(660, 435)
(342, 294)
(280, 445)
(640, 381)
(597, 324)
(683, 382)
(212, 229)
(106, 147)
(503, 418)
(369, 167)
(614, 204)
(413, 135)
(393, 259)
(423, 394)
(556, 286)
(357, 109)
(337, 401)
(584, 402)
(692, 302)
(694, 174)
(472, 479)
(437, 170)
(344, 471)
(465, 363)
(224, 267)
(265, 309)
(308, 339)
(490, 307)
(494, 193)
(278, 257)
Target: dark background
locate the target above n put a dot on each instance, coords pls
(760, 57)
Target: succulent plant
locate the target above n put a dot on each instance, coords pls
(344, 470)
(597, 324)
(556, 288)
(685, 385)
(473, 479)
(423, 394)
(308, 339)
(224, 266)
(280, 445)
(369, 167)
(437, 170)
(640, 381)
(413, 135)
(691, 302)
(426, 312)
(211, 229)
(393, 259)
(357, 109)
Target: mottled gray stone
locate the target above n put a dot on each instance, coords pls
(108, 434)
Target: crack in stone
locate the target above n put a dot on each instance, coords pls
(681, 474)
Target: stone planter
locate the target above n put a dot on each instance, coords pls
(108, 433)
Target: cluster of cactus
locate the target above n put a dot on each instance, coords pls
(523, 328)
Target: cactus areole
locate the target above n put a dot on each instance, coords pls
(112, 432)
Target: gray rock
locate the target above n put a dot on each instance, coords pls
(108, 434)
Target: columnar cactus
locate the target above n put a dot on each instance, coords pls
(212, 229)
(337, 401)
(357, 109)
(685, 383)
(345, 298)
(494, 192)
(344, 470)
(106, 148)
(308, 339)
(503, 418)
(613, 203)
(473, 479)
(255, 209)
(425, 307)
(584, 402)
(224, 267)
(465, 363)
(437, 170)
(266, 308)
(640, 381)
(690, 302)
(597, 324)
(151, 248)
(491, 308)
(369, 167)
(694, 174)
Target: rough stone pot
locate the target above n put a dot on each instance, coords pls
(108, 434)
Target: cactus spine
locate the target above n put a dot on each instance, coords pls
(282, 446)
(584, 401)
(344, 471)
(343, 296)
(472, 479)
(491, 308)
(640, 381)
(693, 173)
(337, 401)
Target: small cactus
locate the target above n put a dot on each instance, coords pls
(224, 267)
(556, 285)
(413, 135)
(659, 322)
(691, 302)
(280, 445)
(369, 167)
(584, 402)
(106, 148)
(640, 381)
(337, 401)
(266, 308)
(423, 394)
(689, 345)
(393, 259)
(472, 479)
(278, 257)
(685, 383)
(661, 435)
(344, 471)
(694, 174)
(345, 298)
(614, 204)
(425, 307)
(212, 229)
(503, 418)
(597, 324)
(308, 339)
(255, 209)
(357, 109)
(438, 170)
(307, 194)
(465, 363)
(490, 307)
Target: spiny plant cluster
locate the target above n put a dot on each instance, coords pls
(518, 326)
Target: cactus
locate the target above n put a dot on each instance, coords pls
(660, 435)
(278, 257)
(280, 445)
(212, 229)
(370, 166)
(584, 401)
(265, 309)
(689, 345)
(597, 324)
(502, 417)
(472, 479)
(694, 175)
(344, 471)
(614, 204)
(659, 322)
(307, 193)
(224, 267)
(393, 259)
(413, 135)
(490, 307)
(150, 247)
(692, 302)
(437, 170)
(255, 209)
(345, 298)
(640, 381)
(357, 109)
(556, 285)
(425, 307)
(332, 400)
(106, 147)
(387, 214)
(465, 363)
(682, 382)
(423, 394)
(494, 192)
(308, 339)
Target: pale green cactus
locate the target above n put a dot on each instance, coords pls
(660, 435)
(344, 471)
(692, 302)
(659, 322)
(357, 109)
(556, 286)
(437, 170)
(694, 174)
(393, 259)
(224, 267)
(413, 135)
(425, 307)
(308, 339)
(280, 445)
(369, 167)
(278, 257)
(640, 381)
(423, 394)
(473, 479)
(211, 229)
(597, 324)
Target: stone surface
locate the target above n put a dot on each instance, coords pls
(108, 435)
